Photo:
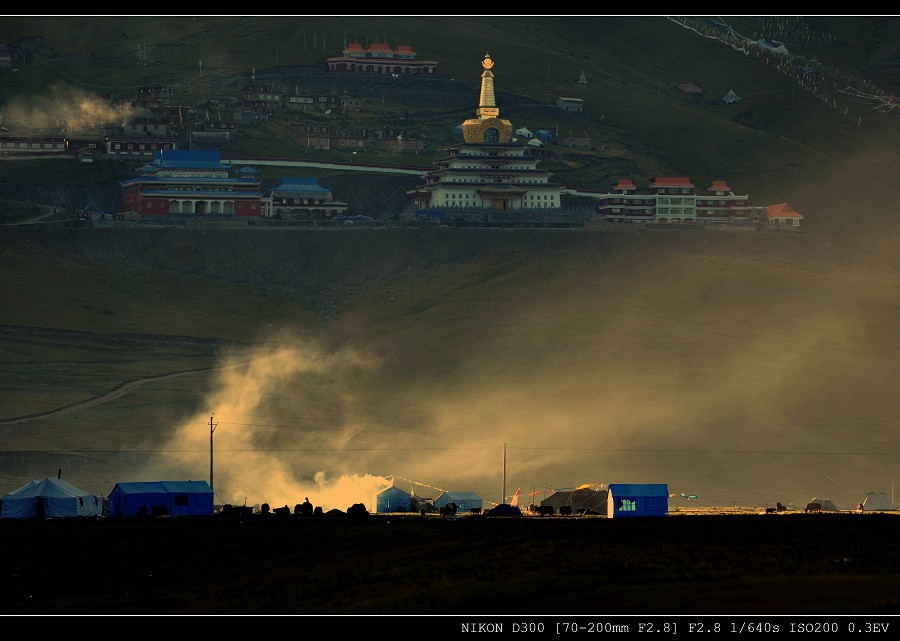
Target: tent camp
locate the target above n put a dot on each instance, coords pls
(50, 498)
(877, 502)
(393, 499)
(161, 498)
(637, 499)
(586, 498)
(816, 504)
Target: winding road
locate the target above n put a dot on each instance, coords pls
(118, 392)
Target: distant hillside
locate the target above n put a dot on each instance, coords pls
(742, 367)
(788, 133)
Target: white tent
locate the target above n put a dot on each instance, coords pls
(731, 97)
(50, 498)
(825, 505)
(877, 502)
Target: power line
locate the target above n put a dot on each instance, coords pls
(419, 448)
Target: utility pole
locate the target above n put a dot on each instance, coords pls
(212, 428)
(503, 495)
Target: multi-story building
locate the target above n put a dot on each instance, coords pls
(675, 199)
(672, 200)
(302, 199)
(130, 146)
(148, 125)
(213, 131)
(488, 171)
(721, 205)
(379, 58)
(25, 144)
(191, 183)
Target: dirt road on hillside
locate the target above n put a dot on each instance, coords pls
(10, 426)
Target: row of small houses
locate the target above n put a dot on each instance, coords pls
(145, 139)
(616, 500)
(52, 498)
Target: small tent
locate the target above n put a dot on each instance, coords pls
(161, 498)
(505, 509)
(877, 502)
(731, 97)
(393, 499)
(587, 498)
(525, 132)
(50, 498)
(465, 501)
(418, 503)
(637, 499)
(824, 505)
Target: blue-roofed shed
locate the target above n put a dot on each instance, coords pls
(637, 499)
(303, 188)
(158, 498)
(188, 158)
(393, 499)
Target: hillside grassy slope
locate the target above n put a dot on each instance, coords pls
(745, 368)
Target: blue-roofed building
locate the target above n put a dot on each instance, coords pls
(302, 199)
(637, 499)
(393, 499)
(184, 183)
(161, 498)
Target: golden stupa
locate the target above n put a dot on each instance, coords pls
(487, 126)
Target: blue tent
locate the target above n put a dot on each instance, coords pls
(465, 501)
(161, 498)
(637, 499)
(393, 499)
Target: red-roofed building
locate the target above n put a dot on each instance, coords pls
(672, 199)
(624, 204)
(721, 205)
(783, 214)
(379, 58)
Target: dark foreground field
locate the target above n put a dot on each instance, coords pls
(816, 564)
